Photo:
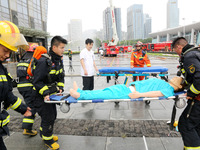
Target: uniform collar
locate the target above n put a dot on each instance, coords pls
(188, 46)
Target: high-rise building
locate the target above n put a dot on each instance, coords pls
(135, 22)
(147, 25)
(29, 15)
(172, 14)
(107, 24)
(75, 30)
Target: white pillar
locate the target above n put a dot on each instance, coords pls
(192, 36)
(158, 38)
(179, 34)
(168, 37)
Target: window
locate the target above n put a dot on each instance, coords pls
(4, 3)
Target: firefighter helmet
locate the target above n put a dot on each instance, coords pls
(32, 47)
(10, 36)
(139, 44)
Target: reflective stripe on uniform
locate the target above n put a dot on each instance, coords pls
(3, 78)
(10, 75)
(5, 121)
(60, 84)
(141, 57)
(26, 120)
(183, 70)
(40, 128)
(191, 148)
(195, 91)
(16, 104)
(135, 56)
(24, 85)
(23, 64)
(148, 65)
(56, 72)
(43, 89)
(52, 72)
(132, 61)
(47, 137)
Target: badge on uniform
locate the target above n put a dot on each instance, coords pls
(191, 68)
(53, 65)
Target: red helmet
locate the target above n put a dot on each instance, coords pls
(139, 43)
(32, 47)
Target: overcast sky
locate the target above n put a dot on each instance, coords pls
(91, 13)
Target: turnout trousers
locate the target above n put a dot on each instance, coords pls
(28, 98)
(48, 115)
(2, 145)
(189, 127)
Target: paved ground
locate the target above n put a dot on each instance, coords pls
(105, 126)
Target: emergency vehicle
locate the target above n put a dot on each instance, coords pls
(110, 49)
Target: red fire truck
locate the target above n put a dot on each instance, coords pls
(164, 46)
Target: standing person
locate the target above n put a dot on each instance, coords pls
(70, 54)
(139, 58)
(88, 65)
(25, 88)
(189, 121)
(10, 40)
(49, 78)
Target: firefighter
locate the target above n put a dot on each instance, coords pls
(25, 88)
(48, 78)
(139, 58)
(10, 40)
(189, 121)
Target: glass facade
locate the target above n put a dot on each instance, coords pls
(4, 10)
(25, 13)
(29, 15)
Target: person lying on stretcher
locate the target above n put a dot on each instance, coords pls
(152, 87)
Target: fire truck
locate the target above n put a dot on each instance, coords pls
(110, 48)
(164, 46)
(125, 49)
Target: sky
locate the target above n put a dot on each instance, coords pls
(60, 12)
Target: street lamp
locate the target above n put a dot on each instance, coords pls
(183, 27)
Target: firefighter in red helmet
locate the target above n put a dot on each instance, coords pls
(139, 58)
(25, 88)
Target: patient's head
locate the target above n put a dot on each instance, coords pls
(176, 83)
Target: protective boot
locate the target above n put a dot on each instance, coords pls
(30, 132)
(55, 138)
(52, 144)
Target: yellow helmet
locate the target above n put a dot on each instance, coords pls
(10, 36)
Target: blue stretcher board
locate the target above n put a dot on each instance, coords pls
(155, 69)
(73, 100)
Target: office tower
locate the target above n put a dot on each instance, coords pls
(75, 30)
(107, 24)
(135, 22)
(147, 25)
(172, 14)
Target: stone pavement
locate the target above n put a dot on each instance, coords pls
(105, 126)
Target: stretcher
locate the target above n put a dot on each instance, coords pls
(65, 101)
(68, 99)
(127, 71)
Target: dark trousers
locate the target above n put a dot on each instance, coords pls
(2, 145)
(189, 127)
(48, 115)
(88, 83)
(28, 98)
